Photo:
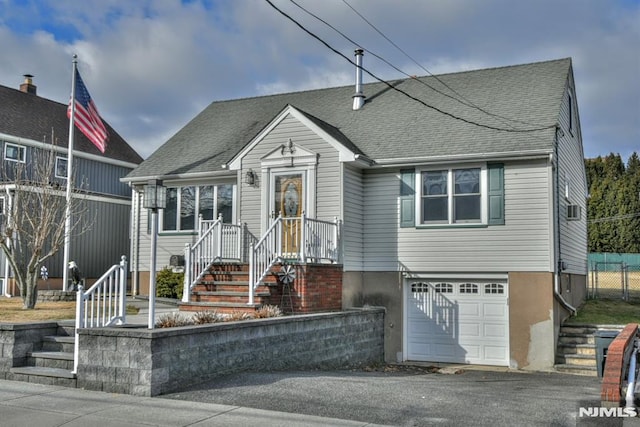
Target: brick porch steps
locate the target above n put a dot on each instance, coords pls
(225, 289)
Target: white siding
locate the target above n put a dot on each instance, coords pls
(328, 180)
(352, 231)
(573, 234)
(522, 244)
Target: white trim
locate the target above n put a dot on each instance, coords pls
(66, 167)
(450, 195)
(63, 150)
(345, 155)
(78, 195)
(21, 149)
(462, 158)
(179, 176)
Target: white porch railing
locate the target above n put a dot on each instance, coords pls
(299, 239)
(103, 304)
(217, 241)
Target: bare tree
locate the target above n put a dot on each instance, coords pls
(33, 228)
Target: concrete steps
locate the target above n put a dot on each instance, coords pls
(52, 364)
(576, 350)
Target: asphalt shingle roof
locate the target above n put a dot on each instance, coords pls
(29, 116)
(390, 125)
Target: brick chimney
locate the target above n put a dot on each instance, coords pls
(28, 86)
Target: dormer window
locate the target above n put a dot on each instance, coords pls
(15, 153)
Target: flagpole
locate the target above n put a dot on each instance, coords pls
(67, 212)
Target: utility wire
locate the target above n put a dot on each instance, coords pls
(400, 90)
(614, 218)
(461, 98)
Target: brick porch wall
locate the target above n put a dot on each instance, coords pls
(316, 288)
(615, 369)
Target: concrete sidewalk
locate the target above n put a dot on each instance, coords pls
(25, 404)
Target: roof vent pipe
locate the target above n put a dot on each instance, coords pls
(358, 98)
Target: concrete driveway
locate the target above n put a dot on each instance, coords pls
(410, 396)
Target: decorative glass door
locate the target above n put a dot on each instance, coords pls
(289, 200)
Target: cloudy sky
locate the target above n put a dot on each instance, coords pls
(152, 65)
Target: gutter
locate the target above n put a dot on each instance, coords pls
(193, 175)
(444, 159)
(62, 150)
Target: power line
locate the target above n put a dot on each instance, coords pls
(400, 90)
(614, 218)
(461, 98)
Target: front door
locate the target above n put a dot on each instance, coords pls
(289, 201)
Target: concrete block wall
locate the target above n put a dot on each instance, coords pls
(16, 340)
(148, 362)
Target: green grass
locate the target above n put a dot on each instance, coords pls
(608, 312)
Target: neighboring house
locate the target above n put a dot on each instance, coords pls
(29, 124)
(472, 237)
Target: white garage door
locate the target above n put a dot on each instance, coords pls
(457, 321)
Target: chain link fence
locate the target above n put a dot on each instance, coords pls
(614, 280)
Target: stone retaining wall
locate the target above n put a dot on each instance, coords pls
(18, 339)
(149, 362)
(55, 295)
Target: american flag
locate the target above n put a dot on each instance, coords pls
(87, 118)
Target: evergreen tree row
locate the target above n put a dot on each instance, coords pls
(614, 204)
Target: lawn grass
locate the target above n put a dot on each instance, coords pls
(11, 311)
(608, 312)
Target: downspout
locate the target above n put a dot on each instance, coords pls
(558, 258)
(631, 382)
(6, 261)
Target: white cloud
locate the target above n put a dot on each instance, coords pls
(151, 66)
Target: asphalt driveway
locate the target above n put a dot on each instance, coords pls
(413, 396)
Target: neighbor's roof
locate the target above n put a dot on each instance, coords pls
(390, 125)
(29, 116)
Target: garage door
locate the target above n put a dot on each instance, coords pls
(457, 321)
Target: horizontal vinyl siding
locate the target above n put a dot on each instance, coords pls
(353, 226)
(101, 245)
(573, 234)
(167, 244)
(522, 244)
(327, 173)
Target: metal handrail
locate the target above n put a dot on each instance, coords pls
(103, 304)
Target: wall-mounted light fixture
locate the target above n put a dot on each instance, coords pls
(250, 177)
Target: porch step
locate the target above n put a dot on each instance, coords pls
(577, 360)
(51, 359)
(229, 297)
(40, 375)
(220, 307)
(590, 371)
(58, 343)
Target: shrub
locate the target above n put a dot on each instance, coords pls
(169, 284)
(236, 316)
(268, 311)
(172, 320)
(202, 317)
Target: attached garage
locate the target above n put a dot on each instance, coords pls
(457, 321)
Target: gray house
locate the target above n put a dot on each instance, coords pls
(456, 201)
(30, 124)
